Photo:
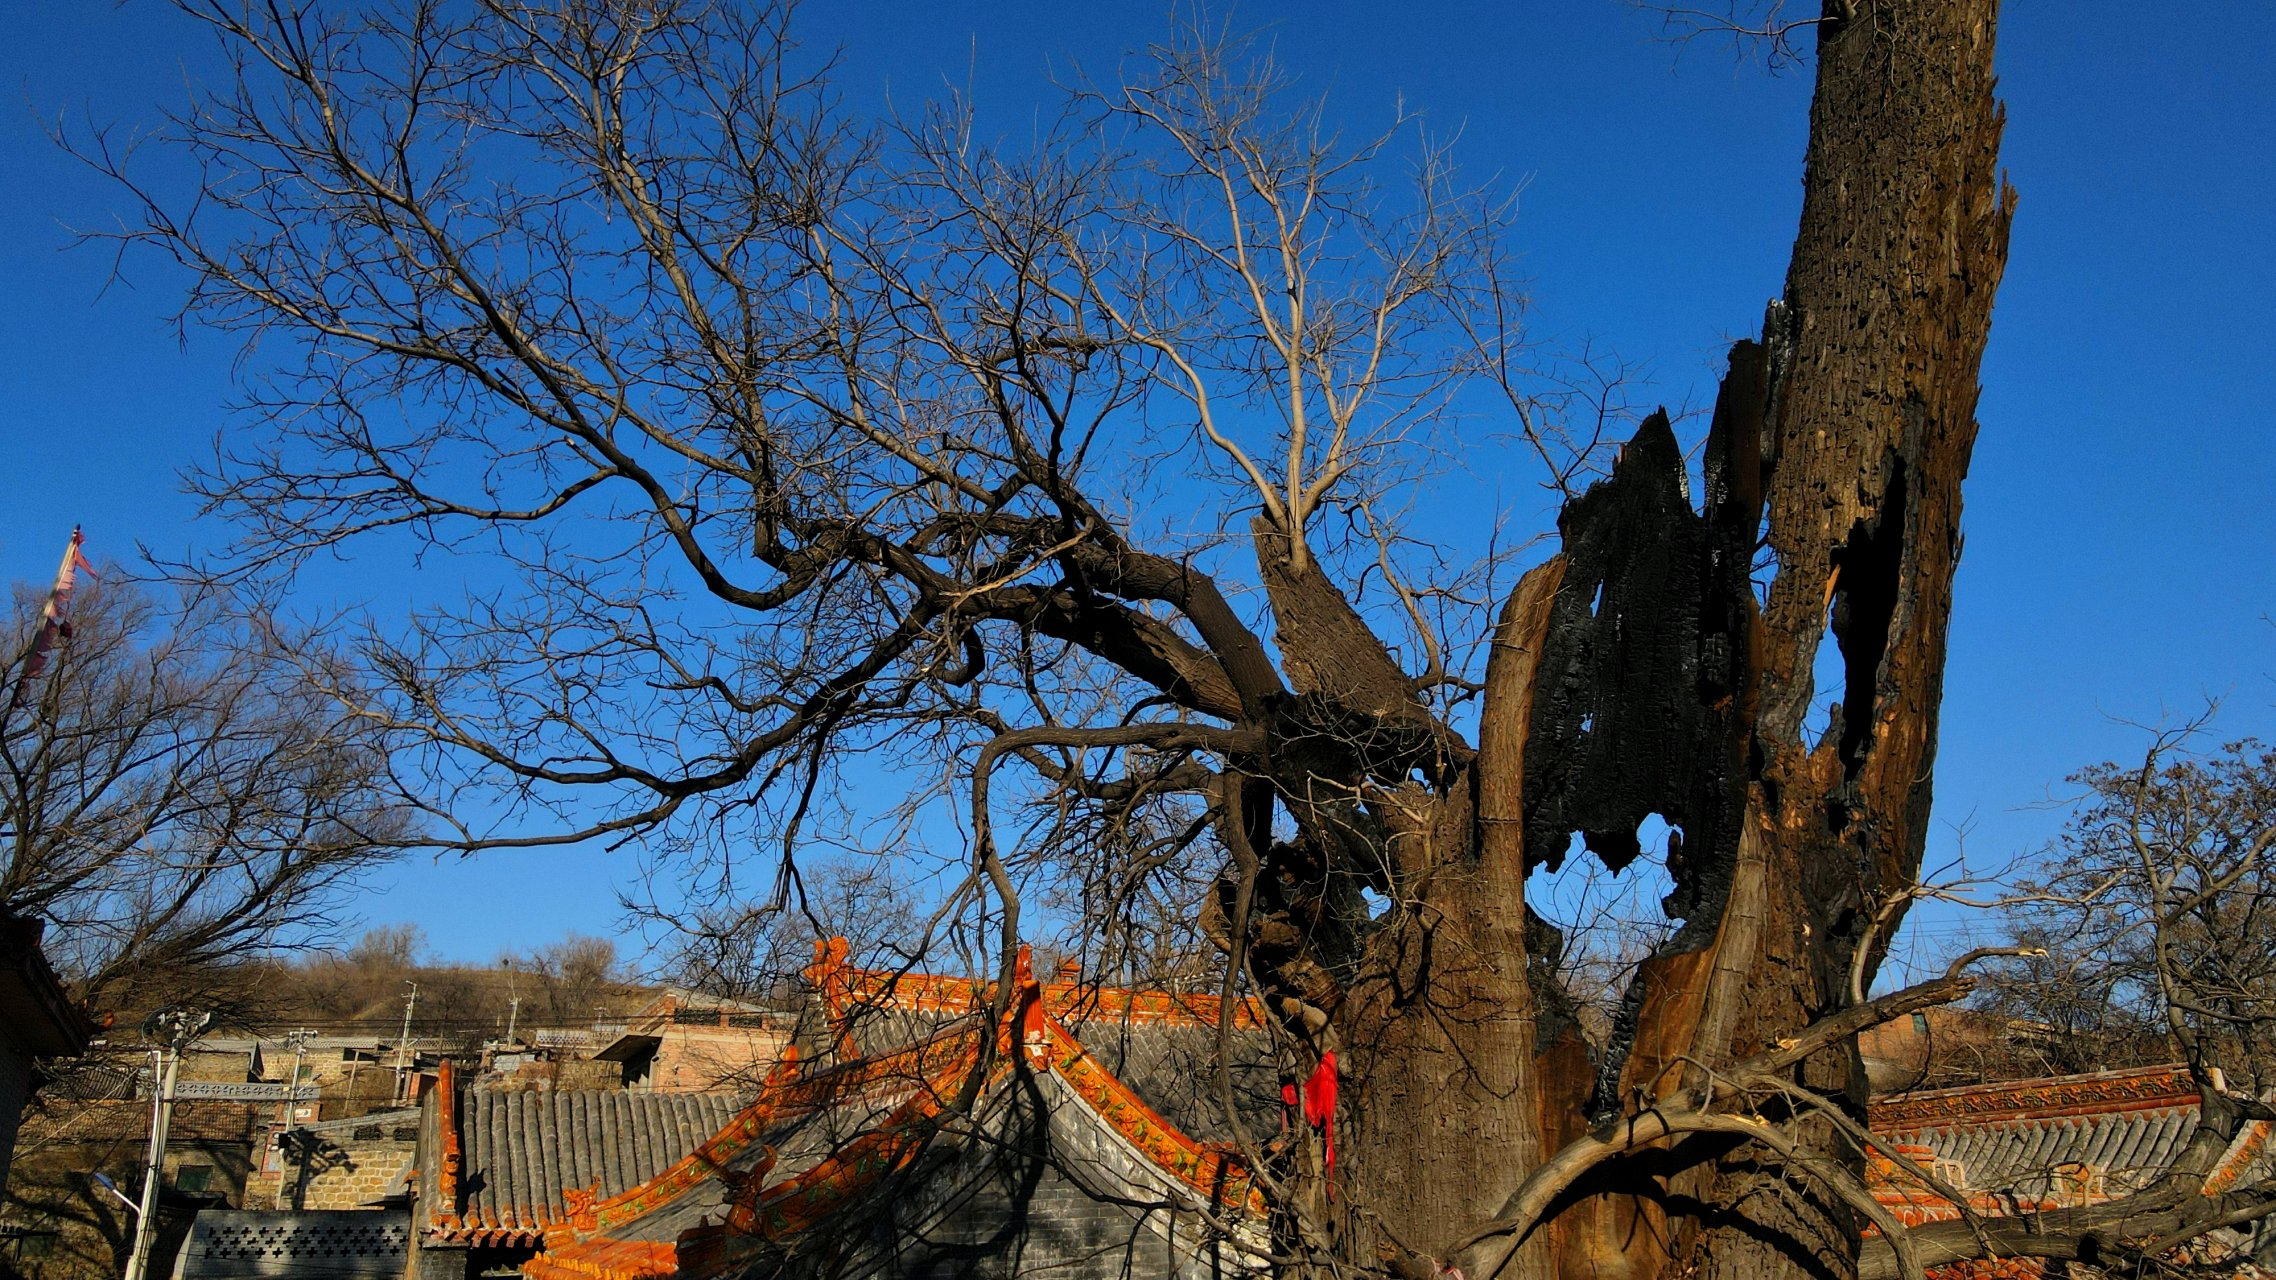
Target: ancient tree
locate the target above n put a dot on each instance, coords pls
(1075, 469)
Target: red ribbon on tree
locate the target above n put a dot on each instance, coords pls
(1315, 1101)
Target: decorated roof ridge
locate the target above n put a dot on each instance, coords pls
(914, 1063)
(1028, 1029)
(2241, 1153)
(710, 1157)
(453, 1159)
(787, 1090)
(1031, 1030)
(518, 1225)
(1217, 1173)
(843, 986)
(605, 1260)
(2132, 1089)
(789, 1207)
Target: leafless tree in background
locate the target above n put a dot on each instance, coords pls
(2160, 907)
(743, 951)
(1069, 491)
(2147, 936)
(178, 800)
(575, 973)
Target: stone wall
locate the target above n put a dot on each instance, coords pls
(338, 1164)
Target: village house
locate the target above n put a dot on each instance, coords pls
(685, 1040)
(66, 1226)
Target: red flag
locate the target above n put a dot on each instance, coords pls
(55, 615)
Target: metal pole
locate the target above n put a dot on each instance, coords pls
(162, 1085)
(299, 1041)
(403, 1046)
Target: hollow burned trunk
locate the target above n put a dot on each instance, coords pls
(1640, 672)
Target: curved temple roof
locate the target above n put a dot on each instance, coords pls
(641, 1187)
(2048, 1143)
(818, 1135)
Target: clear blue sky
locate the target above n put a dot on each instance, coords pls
(2118, 523)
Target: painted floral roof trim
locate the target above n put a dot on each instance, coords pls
(709, 1159)
(1216, 1173)
(606, 1260)
(2105, 1091)
(786, 1208)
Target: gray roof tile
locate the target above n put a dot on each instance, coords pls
(525, 1151)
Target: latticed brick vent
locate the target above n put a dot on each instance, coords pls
(388, 1235)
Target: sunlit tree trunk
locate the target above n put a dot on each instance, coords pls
(1635, 674)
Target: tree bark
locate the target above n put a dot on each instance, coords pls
(1635, 675)
(1872, 421)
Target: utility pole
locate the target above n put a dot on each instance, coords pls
(297, 1041)
(403, 1045)
(513, 998)
(173, 1028)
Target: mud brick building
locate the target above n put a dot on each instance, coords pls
(65, 1227)
(684, 1040)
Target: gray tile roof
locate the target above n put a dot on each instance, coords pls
(1173, 1068)
(2098, 1135)
(522, 1151)
(2039, 1157)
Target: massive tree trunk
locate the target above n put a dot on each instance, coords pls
(1638, 673)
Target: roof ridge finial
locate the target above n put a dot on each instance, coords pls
(827, 975)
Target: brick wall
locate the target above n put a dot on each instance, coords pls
(718, 1057)
(76, 1230)
(340, 1164)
